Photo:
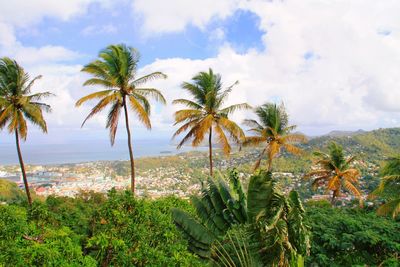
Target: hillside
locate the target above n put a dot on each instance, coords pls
(374, 145)
(10, 191)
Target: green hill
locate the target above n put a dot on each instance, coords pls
(374, 146)
(9, 191)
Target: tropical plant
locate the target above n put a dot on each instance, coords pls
(334, 171)
(352, 237)
(264, 228)
(273, 132)
(116, 70)
(389, 188)
(205, 113)
(18, 104)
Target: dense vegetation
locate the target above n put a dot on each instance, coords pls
(120, 230)
(93, 230)
(351, 237)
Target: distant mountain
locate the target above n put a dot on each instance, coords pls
(344, 133)
(376, 145)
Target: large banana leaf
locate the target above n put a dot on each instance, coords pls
(275, 229)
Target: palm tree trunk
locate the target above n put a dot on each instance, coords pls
(128, 131)
(269, 164)
(21, 163)
(210, 151)
(333, 199)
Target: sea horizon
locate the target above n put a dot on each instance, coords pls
(87, 151)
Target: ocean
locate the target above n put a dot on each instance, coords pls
(84, 151)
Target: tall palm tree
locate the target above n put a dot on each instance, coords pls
(116, 71)
(206, 115)
(273, 132)
(334, 171)
(18, 104)
(389, 187)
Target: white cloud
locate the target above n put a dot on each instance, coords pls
(95, 30)
(349, 81)
(173, 16)
(22, 13)
(6, 35)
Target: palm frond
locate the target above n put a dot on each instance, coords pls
(294, 138)
(34, 115)
(188, 103)
(253, 124)
(22, 128)
(149, 77)
(254, 140)
(317, 180)
(112, 120)
(186, 126)
(143, 101)
(222, 140)
(204, 126)
(293, 149)
(236, 133)
(233, 108)
(151, 92)
(317, 173)
(334, 183)
(5, 115)
(187, 114)
(101, 105)
(140, 111)
(101, 82)
(351, 175)
(390, 208)
(94, 95)
(352, 189)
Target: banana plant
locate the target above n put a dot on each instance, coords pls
(262, 228)
(218, 208)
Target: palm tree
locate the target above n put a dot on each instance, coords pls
(389, 187)
(116, 70)
(273, 132)
(17, 105)
(334, 171)
(205, 113)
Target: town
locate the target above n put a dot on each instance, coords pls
(179, 175)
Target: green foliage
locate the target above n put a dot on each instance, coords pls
(92, 230)
(371, 146)
(351, 237)
(9, 191)
(389, 187)
(279, 232)
(29, 242)
(218, 209)
(270, 231)
(127, 231)
(273, 116)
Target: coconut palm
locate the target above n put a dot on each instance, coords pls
(334, 171)
(18, 105)
(205, 113)
(389, 187)
(116, 71)
(273, 132)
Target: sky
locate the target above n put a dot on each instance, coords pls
(334, 63)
